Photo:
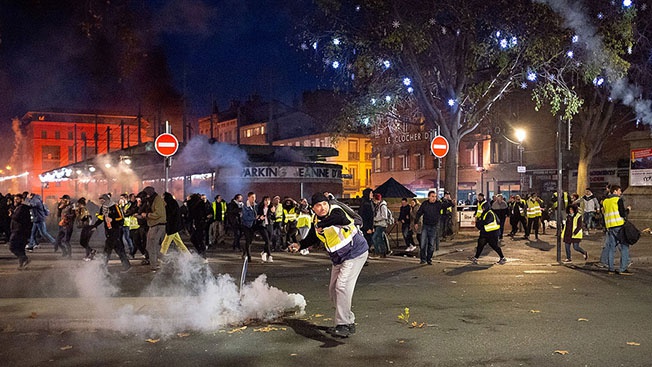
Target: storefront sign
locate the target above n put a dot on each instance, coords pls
(640, 172)
(291, 172)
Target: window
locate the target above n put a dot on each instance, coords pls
(71, 155)
(405, 161)
(83, 136)
(367, 177)
(44, 134)
(70, 136)
(376, 163)
(390, 163)
(354, 152)
(421, 161)
(57, 135)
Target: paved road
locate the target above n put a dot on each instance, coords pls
(518, 314)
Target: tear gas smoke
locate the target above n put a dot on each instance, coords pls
(575, 17)
(185, 295)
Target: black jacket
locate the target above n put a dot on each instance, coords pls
(174, 223)
(431, 212)
(21, 223)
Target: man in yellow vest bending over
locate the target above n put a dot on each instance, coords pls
(348, 251)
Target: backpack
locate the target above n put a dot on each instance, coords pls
(629, 234)
(390, 218)
(357, 219)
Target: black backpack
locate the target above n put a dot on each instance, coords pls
(629, 234)
(357, 219)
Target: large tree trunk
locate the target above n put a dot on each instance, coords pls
(585, 158)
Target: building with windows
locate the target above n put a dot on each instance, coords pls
(50, 140)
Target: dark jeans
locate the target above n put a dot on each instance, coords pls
(63, 240)
(237, 234)
(85, 238)
(515, 221)
(407, 235)
(429, 242)
(17, 246)
(532, 223)
(139, 238)
(290, 233)
(248, 233)
(197, 238)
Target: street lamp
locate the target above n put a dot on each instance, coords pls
(520, 137)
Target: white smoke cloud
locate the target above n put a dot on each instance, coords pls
(575, 17)
(184, 296)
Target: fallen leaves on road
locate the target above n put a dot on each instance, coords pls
(66, 347)
(236, 330)
(535, 311)
(401, 341)
(582, 319)
(562, 352)
(268, 328)
(183, 335)
(317, 315)
(414, 324)
(293, 354)
(405, 315)
(633, 343)
(153, 341)
(33, 315)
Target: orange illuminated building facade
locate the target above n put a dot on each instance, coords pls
(54, 139)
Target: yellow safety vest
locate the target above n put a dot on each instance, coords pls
(612, 217)
(290, 216)
(576, 224)
(336, 237)
(492, 226)
(223, 206)
(478, 210)
(533, 209)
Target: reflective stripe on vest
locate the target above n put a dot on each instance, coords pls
(478, 210)
(493, 226)
(612, 217)
(533, 209)
(336, 237)
(576, 224)
(223, 206)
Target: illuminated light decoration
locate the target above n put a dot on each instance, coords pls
(498, 34)
(396, 24)
(357, 8)
(503, 43)
(314, 45)
(127, 161)
(24, 174)
(407, 81)
(575, 39)
(387, 64)
(79, 172)
(352, 76)
(598, 81)
(570, 54)
(629, 50)
(410, 90)
(335, 64)
(627, 3)
(513, 41)
(107, 165)
(365, 121)
(600, 15)
(451, 102)
(336, 41)
(524, 85)
(304, 46)
(388, 98)
(91, 169)
(443, 30)
(433, 21)
(373, 101)
(531, 76)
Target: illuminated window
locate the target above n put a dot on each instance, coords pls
(390, 163)
(44, 134)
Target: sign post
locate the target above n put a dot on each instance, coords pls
(439, 148)
(166, 145)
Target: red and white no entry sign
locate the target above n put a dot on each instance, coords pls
(166, 144)
(439, 146)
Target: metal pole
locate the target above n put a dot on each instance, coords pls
(560, 191)
(166, 161)
(439, 170)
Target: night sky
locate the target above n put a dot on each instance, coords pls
(115, 55)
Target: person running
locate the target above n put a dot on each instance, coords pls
(572, 232)
(489, 228)
(20, 227)
(113, 220)
(83, 219)
(173, 226)
(348, 251)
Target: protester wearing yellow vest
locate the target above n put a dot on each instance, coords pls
(217, 230)
(533, 214)
(489, 231)
(614, 218)
(348, 251)
(572, 232)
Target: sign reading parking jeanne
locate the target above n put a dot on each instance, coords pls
(640, 168)
(166, 144)
(439, 146)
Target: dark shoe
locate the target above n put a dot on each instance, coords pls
(341, 331)
(586, 256)
(429, 263)
(24, 263)
(422, 262)
(625, 273)
(125, 270)
(351, 328)
(145, 262)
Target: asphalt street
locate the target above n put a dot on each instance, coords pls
(528, 312)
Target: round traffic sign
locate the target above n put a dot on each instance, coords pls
(166, 144)
(439, 146)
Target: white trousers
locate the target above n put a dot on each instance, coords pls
(343, 279)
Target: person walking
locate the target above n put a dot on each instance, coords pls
(348, 251)
(124, 205)
(499, 207)
(38, 213)
(533, 210)
(572, 232)
(591, 205)
(290, 218)
(381, 216)
(234, 219)
(366, 212)
(138, 224)
(173, 225)
(198, 213)
(406, 229)
(489, 231)
(113, 220)
(217, 229)
(430, 210)
(66, 217)
(249, 218)
(265, 226)
(446, 219)
(19, 232)
(156, 219)
(83, 219)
